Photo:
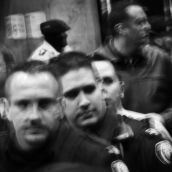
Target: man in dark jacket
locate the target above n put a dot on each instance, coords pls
(114, 89)
(38, 133)
(145, 69)
(85, 108)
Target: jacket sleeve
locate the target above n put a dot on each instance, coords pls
(164, 62)
(167, 112)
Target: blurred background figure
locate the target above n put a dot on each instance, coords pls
(55, 42)
(164, 40)
(145, 69)
(161, 34)
(6, 64)
(114, 91)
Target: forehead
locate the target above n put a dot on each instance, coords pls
(38, 84)
(104, 68)
(77, 78)
(135, 11)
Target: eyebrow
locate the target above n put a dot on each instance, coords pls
(73, 89)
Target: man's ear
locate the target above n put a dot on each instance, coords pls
(120, 29)
(63, 103)
(104, 93)
(122, 85)
(61, 106)
(5, 108)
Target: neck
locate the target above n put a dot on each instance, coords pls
(119, 108)
(123, 47)
(57, 47)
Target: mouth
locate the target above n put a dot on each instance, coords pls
(85, 115)
(35, 130)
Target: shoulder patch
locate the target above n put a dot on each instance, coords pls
(42, 52)
(119, 166)
(163, 151)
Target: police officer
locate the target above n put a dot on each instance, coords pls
(55, 42)
(141, 148)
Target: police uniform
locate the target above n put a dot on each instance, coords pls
(67, 145)
(69, 167)
(46, 51)
(141, 147)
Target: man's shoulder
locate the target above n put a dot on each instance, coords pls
(105, 51)
(154, 53)
(149, 145)
(78, 139)
(78, 146)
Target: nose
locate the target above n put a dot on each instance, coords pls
(147, 26)
(34, 113)
(105, 92)
(83, 101)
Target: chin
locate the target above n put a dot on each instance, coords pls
(36, 139)
(88, 122)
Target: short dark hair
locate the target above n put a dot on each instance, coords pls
(101, 57)
(119, 14)
(70, 61)
(30, 67)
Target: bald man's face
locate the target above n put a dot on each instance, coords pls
(32, 107)
(137, 25)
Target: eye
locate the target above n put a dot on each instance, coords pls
(46, 103)
(107, 80)
(22, 104)
(72, 94)
(89, 89)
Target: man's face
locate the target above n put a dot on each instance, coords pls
(137, 25)
(110, 81)
(83, 96)
(33, 107)
(61, 39)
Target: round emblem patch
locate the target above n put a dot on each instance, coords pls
(42, 52)
(119, 166)
(163, 150)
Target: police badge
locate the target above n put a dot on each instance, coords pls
(119, 166)
(163, 151)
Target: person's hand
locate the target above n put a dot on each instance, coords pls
(156, 121)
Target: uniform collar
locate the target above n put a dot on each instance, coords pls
(50, 47)
(113, 128)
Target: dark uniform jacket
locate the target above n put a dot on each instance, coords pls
(148, 80)
(69, 167)
(142, 148)
(67, 146)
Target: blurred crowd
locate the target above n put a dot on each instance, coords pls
(63, 110)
